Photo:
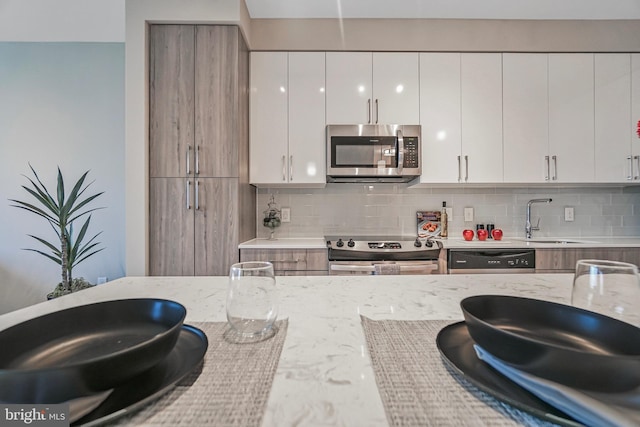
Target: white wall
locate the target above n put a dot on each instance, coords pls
(61, 103)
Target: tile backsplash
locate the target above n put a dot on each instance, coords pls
(390, 209)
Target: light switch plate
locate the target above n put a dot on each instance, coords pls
(286, 214)
(468, 214)
(568, 213)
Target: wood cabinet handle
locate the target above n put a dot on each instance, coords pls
(466, 166)
(188, 191)
(188, 159)
(287, 261)
(197, 160)
(377, 111)
(369, 111)
(284, 167)
(197, 191)
(555, 168)
(637, 174)
(459, 168)
(546, 159)
(291, 168)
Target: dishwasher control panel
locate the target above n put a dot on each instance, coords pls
(491, 261)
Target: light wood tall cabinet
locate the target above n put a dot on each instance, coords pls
(201, 205)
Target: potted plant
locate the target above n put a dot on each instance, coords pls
(61, 213)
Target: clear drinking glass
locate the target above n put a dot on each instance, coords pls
(611, 288)
(252, 302)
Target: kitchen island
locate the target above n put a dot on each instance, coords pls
(325, 374)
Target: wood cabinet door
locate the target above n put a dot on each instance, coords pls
(171, 93)
(216, 225)
(635, 115)
(525, 117)
(440, 117)
(216, 101)
(171, 225)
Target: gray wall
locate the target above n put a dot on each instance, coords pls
(61, 104)
(391, 209)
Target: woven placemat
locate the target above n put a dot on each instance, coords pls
(230, 388)
(416, 387)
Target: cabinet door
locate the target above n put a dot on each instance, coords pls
(171, 88)
(216, 233)
(306, 122)
(481, 93)
(440, 117)
(525, 117)
(635, 114)
(171, 225)
(268, 118)
(216, 101)
(613, 161)
(396, 89)
(571, 121)
(349, 87)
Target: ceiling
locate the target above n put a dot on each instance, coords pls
(446, 9)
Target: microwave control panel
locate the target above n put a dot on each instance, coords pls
(411, 152)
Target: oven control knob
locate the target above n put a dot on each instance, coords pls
(339, 243)
(428, 243)
(417, 243)
(351, 243)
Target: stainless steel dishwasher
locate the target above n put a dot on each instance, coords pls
(491, 261)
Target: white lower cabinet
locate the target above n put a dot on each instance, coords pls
(287, 119)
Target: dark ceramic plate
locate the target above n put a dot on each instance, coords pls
(556, 341)
(186, 355)
(456, 347)
(86, 349)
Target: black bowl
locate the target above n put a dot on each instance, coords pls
(565, 344)
(87, 349)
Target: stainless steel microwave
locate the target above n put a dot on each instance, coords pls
(373, 153)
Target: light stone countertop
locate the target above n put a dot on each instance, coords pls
(460, 243)
(324, 376)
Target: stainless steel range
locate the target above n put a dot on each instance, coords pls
(384, 255)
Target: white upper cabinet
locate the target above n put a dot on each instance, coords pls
(461, 117)
(440, 117)
(307, 158)
(635, 115)
(481, 114)
(365, 87)
(525, 117)
(613, 157)
(287, 123)
(571, 118)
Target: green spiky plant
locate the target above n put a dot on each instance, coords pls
(61, 213)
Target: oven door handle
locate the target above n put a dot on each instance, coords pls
(352, 267)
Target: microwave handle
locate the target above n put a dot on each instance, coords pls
(400, 151)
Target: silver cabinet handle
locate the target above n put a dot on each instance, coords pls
(555, 168)
(400, 149)
(188, 159)
(637, 174)
(197, 191)
(630, 174)
(284, 167)
(188, 190)
(369, 111)
(377, 111)
(197, 160)
(459, 169)
(291, 168)
(466, 168)
(546, 159)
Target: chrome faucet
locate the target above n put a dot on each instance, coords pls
(528, 228)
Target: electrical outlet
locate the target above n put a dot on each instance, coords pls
(468, 214)
(568, 213)
(449, 214)
(286, 214)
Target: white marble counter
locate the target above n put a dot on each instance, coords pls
(285, 243)
(460, 243)
(324, 376)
